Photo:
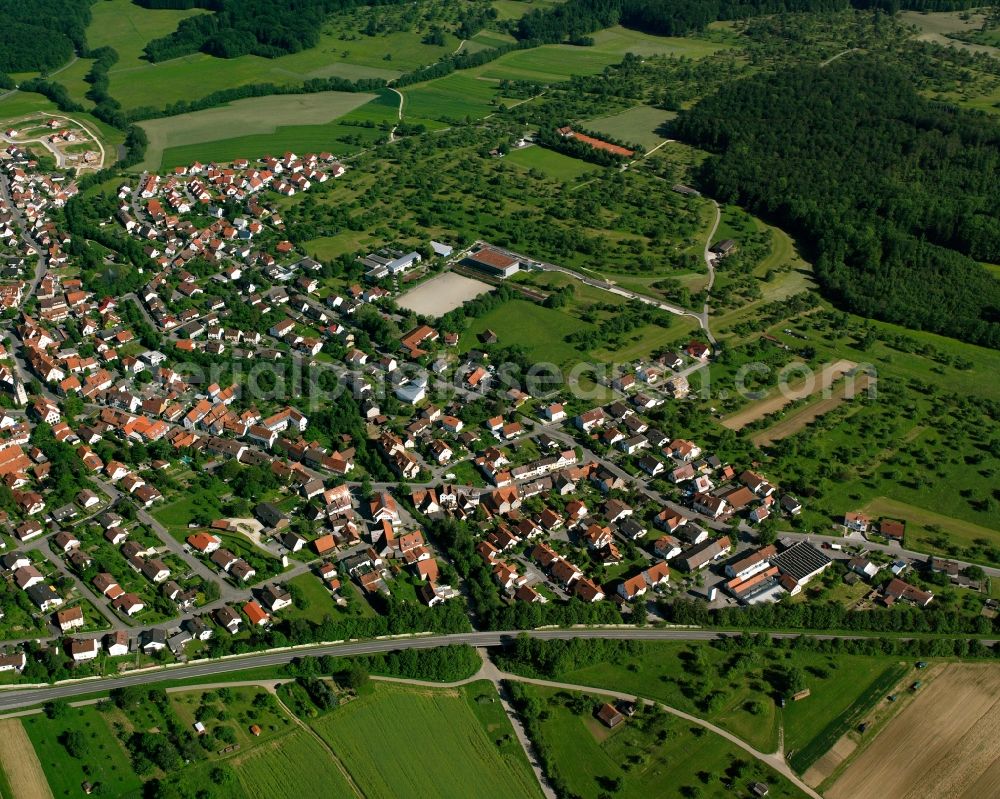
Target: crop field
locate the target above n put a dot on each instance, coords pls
(590, 758)
(803, 417)
(104, 760)
(769, 405)
(20, 763)
(290, 767)
(555, 165)
(429, 743)
(639, 125)
(257, 115)
(136, 82)
(945, 743)
(814, 724)
(452, 97)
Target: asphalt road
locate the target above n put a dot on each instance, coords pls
(15, 699)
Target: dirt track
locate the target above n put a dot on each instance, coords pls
(944, 745)
(20, 763)
(770, 405)
(800, 419)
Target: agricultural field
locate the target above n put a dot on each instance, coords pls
(204, 135)
(459, 745)
(651, 754)
(98, 757)
(21, 766)
(342, 52)
(943, 743)
(451, 98)
(291, 767)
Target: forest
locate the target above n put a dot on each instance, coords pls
(573, 20)
(897, 196)
(41, 35)
(267, 28)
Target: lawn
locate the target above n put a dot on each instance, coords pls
(104, 760)
(317, 602)
(640, 125)
(526, 324)
(555, 165)
(235, 708)
(429, 743)
(651, 754)
(291, 767)
(305, 116)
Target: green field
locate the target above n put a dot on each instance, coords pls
(690, 678)
(453, 97)
(398, 741)
(526, 324)
(136, 82)
(555, 165)
(104, 760)
(652, 754)
(205, 135)
(639, 125)
(292, 767)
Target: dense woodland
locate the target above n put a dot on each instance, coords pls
(898, 196)
(573, 20)
(266, 28)
(41, 34)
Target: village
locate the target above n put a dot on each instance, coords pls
(112, 413)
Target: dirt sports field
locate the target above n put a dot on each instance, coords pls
(20, 763)
(442, 294)
(944, 745)
(770, 405)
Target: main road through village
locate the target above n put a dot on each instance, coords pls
(15, 698)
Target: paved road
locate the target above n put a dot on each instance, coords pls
(15, 698)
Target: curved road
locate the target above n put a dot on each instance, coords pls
(15, 698)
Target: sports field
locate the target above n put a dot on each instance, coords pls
(402, 741)
(640, 125)
(258, 120)
(442, 294)
(945, 743)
